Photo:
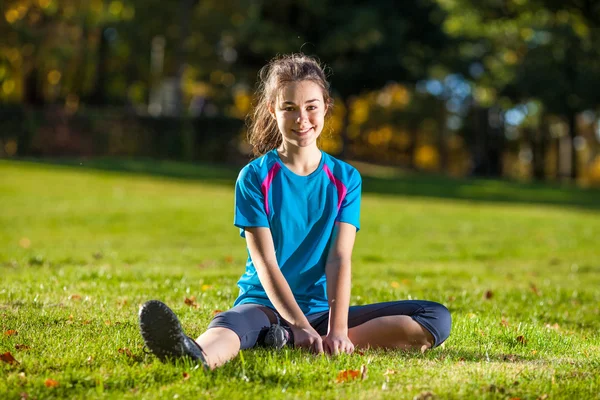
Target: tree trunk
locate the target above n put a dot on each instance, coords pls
(98, 96)
(572, 121)
(442, 139)
(540, 150)
(188, 136)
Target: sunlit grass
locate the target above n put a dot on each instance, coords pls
(81, 249)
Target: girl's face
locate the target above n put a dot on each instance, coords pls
(300, 112)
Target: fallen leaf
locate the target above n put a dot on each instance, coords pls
(521, 339)
(488, 294)
(229, 259)
(216, 312)
(191, 301)
(363, 372)
(25, 243)
(86, 322)
(534, 352)
(10, 332)
(504, 322)
(359, 352)
(206, 287)
(8, 358)
(510, 357)
(451, 299)
(389, 372)
(126, 351)
(75, 297)
(186, 376)
(534, 289)
(395, 285)
(347, 375)
(107, 322)
(22, 347)
(51, 383)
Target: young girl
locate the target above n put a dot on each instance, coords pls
(298, 209)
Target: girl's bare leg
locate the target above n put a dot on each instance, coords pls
(219, 345)
(391, 332)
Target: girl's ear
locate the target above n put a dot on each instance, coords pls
(272, 110)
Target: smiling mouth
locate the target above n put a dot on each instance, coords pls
(302, 132)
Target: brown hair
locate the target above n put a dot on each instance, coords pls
(263, 133)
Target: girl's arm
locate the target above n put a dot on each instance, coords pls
(262, 252)
(338, 273)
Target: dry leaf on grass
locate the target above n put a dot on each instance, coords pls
(191, 301)
(75, 297)
(534, 289)
(22, 347)
(186, 376)
(125, 351)
(51, 383)
(488, 294)
(10, 332)
(521, 339)
(347, 375)
(363, 372)
(8, 358)
(216, 312)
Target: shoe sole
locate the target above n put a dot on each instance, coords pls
(163, 335)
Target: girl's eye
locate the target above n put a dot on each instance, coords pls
(311, 108)
(289, 109)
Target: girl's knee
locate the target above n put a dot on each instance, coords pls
(441, 319)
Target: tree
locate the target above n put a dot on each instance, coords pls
(539, 49)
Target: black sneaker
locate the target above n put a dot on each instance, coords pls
(278, 336)
(164, 336)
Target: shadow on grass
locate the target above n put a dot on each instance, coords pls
(376, 180)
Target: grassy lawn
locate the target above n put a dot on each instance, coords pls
(82, 246)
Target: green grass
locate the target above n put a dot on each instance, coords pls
(517, 265)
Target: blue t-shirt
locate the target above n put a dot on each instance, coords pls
(301, 212)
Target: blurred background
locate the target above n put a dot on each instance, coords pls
(488, 88)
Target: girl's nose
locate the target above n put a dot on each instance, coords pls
(301, 116)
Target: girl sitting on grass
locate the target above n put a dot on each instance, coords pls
(298, 209)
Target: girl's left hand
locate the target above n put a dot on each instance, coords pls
(336, 343)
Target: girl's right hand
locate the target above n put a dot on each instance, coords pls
(307, 338)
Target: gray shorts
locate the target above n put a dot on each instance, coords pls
(251, 321)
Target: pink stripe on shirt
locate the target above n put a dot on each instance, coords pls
(266, 184)
(341, 188)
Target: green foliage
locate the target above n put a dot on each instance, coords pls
(82, 248)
